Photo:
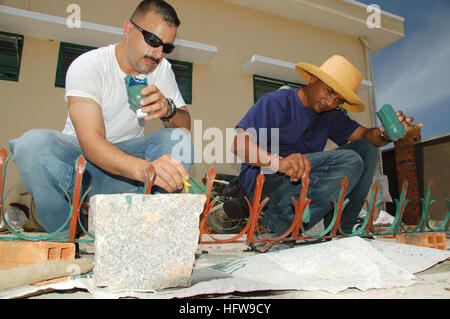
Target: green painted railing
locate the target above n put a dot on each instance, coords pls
(295, 232)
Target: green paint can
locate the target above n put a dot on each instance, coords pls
(134, 85)
(390, 122)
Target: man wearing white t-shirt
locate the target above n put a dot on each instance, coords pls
(104, 127)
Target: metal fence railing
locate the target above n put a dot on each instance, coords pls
(251, 229)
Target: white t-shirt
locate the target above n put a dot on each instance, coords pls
(97, 75)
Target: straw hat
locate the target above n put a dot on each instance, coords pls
(339, 74)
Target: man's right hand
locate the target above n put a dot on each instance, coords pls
(89, 125)
(169, 171)
(296, 166)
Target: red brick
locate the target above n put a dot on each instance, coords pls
(403, 146)
(22, 253)
(431, 240)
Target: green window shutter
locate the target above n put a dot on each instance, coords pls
(263, 85)
(183, 75)
(67, 53)
(10, 56)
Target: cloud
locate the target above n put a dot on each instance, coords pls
(417, 81)
(415, 75)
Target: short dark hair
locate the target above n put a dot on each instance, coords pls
(161, 7)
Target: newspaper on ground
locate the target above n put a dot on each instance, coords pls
(332, 266)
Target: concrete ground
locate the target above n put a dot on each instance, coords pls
(433, 283)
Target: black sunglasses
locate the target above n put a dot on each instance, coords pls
(153, 40)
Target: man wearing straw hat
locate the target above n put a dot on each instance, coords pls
(298, 123)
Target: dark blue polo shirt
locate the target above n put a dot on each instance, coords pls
(283, 110)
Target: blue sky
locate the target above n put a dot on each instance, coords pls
(413, 74)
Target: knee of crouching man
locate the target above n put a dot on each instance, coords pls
(31, 144)
(355, 164)
(366, 149)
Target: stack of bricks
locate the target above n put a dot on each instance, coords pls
(405, 161)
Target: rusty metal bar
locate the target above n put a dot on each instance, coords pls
(149, 177)
(80, 165)
(3, 163)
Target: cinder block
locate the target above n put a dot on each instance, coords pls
(22, 253)
(431, 240)
(145, 241)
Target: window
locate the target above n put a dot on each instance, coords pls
(67, 53)
(183, 75)
(10, 56)
(263, 85)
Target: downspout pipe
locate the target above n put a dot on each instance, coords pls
(372, 97)
(369, 71)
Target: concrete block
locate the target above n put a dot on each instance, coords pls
(145, 241)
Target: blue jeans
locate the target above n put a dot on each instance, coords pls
(46, 159)
(356, 160)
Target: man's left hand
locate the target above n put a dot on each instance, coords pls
(407, 122)
(155, 103)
